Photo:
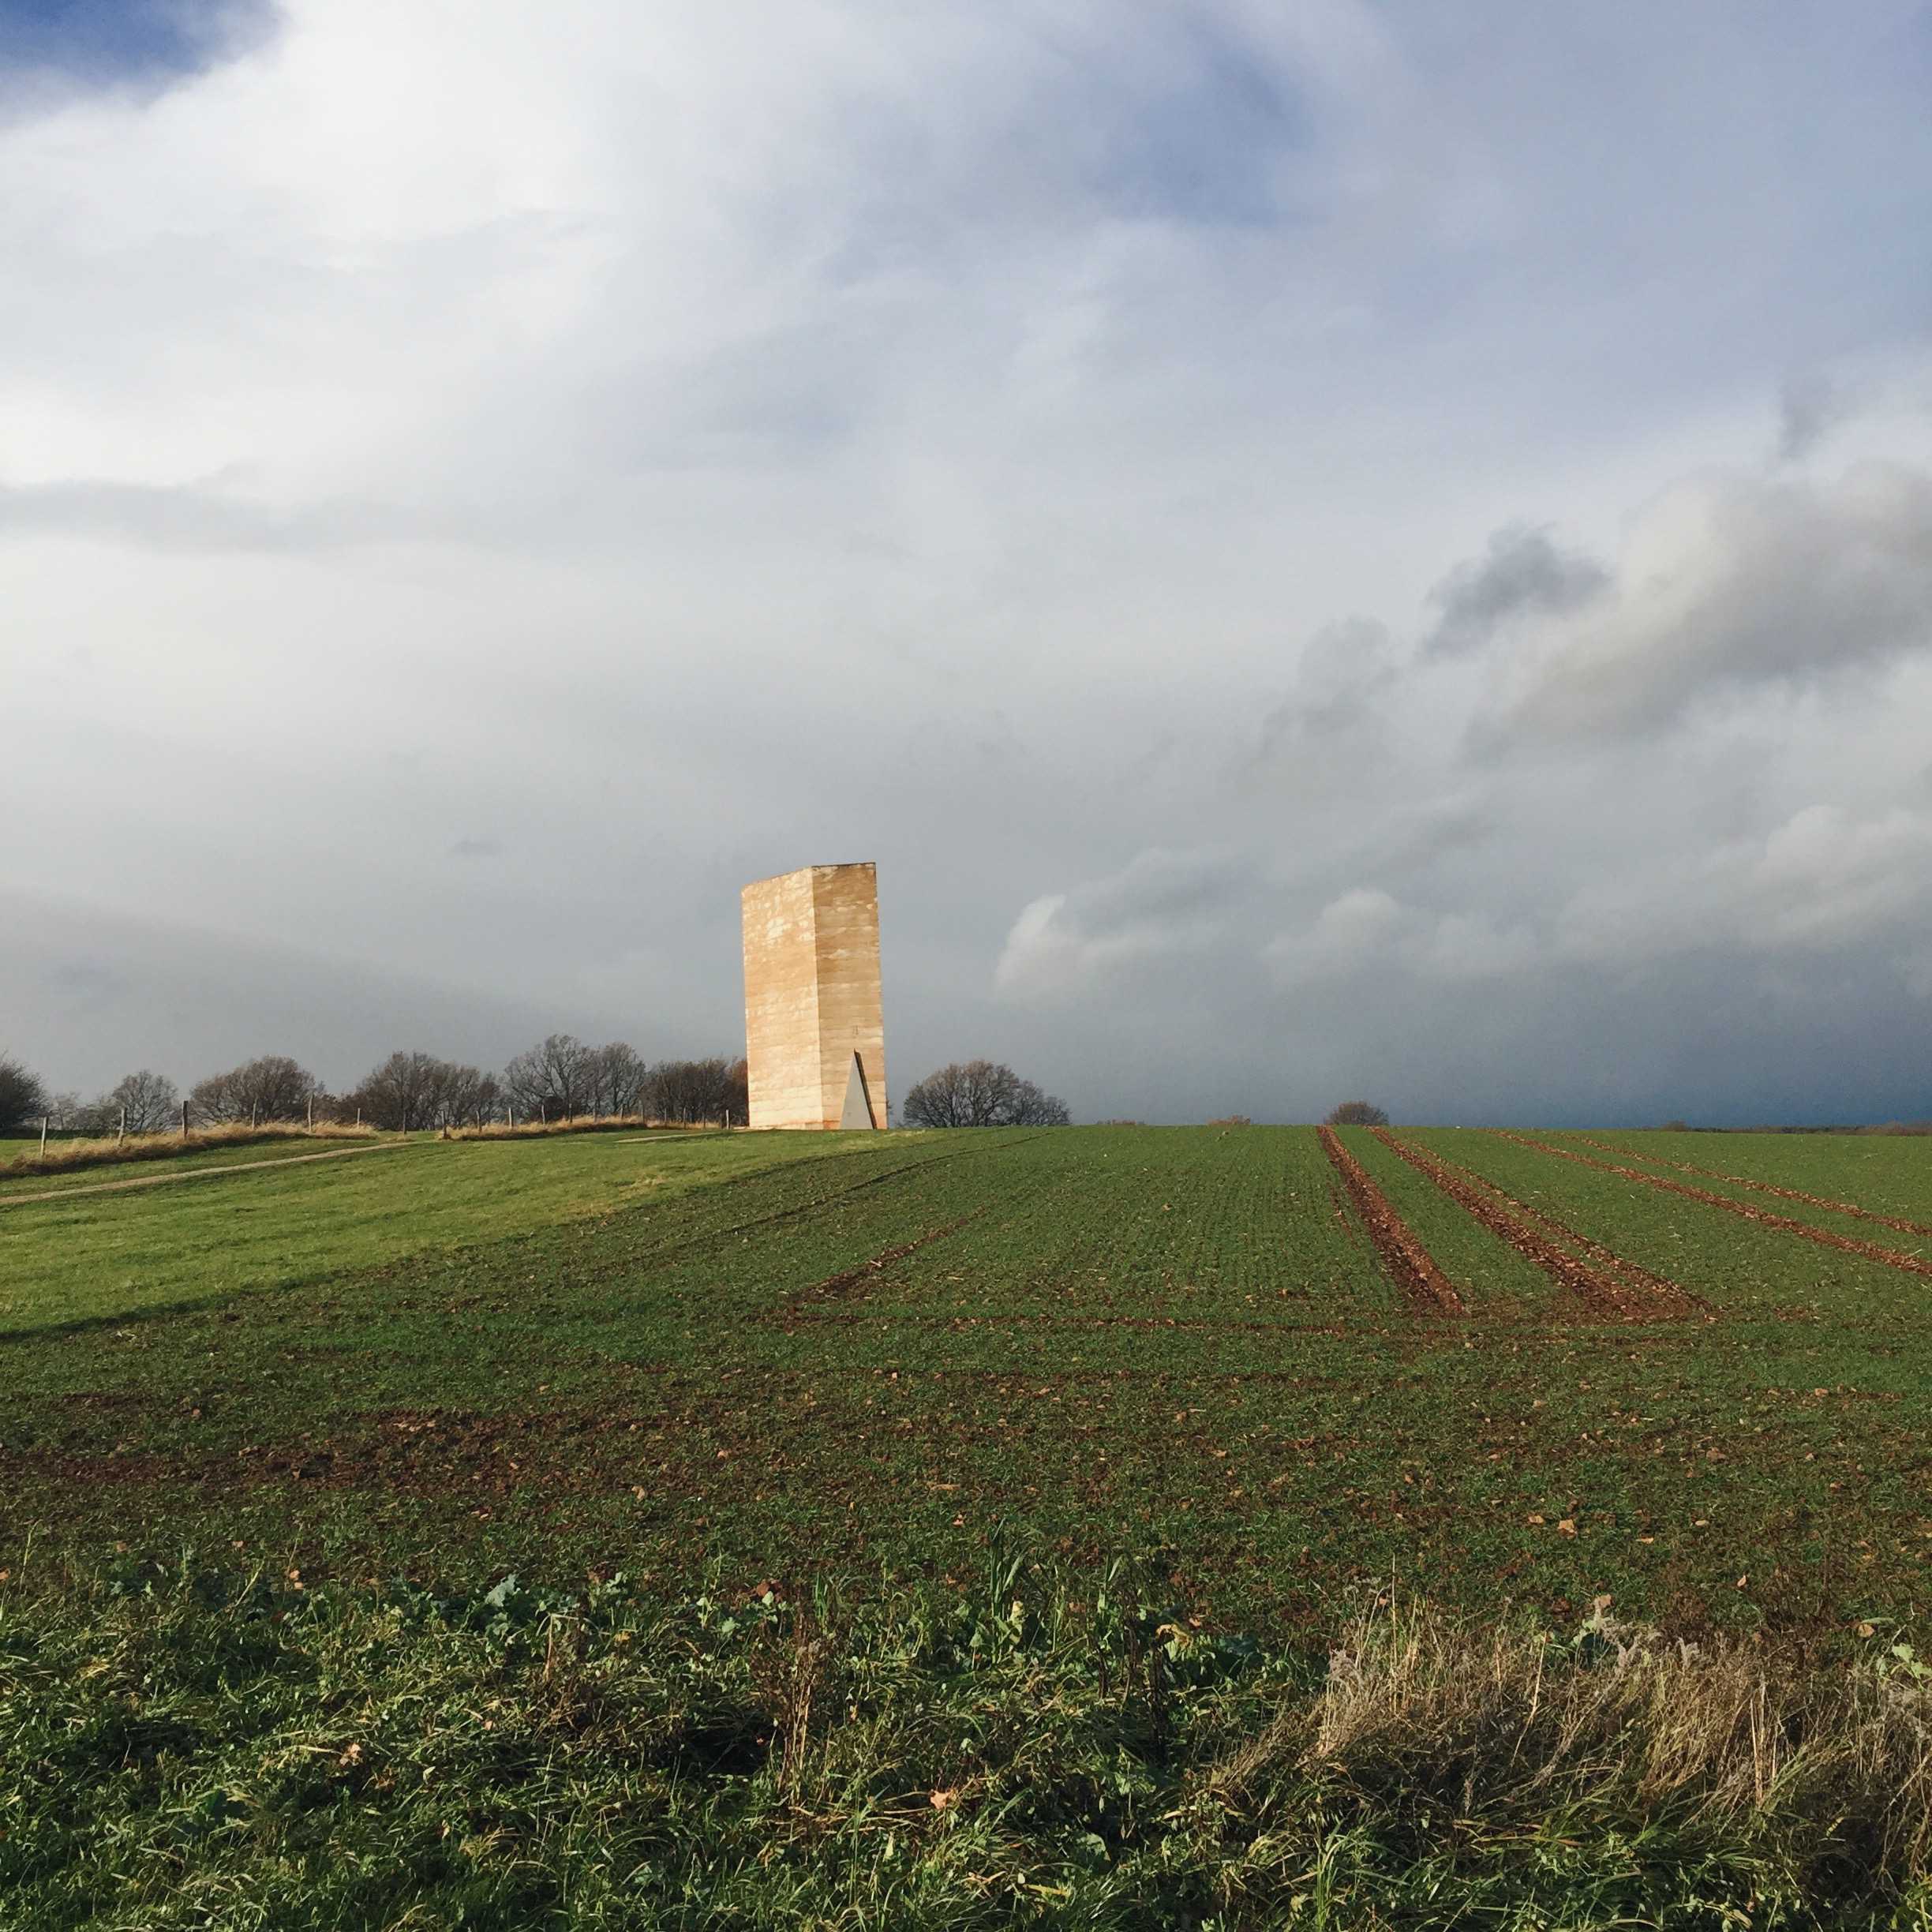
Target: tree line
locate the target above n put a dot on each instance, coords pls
(560, 1078)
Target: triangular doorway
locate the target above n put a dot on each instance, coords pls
(858, 1101)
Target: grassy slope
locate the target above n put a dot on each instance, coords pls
(1111, 1340)
(268, 1147)
(101, 1255)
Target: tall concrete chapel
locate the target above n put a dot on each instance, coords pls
(815, 1026)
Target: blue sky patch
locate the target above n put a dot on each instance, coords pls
(111, 41)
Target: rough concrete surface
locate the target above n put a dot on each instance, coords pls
(812, 998)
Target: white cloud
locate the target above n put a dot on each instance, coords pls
(1728, 581)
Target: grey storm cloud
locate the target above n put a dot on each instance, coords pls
(455, 531)
(1522, 573)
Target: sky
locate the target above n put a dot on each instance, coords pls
(1326, 549)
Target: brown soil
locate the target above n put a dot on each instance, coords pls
(1423, 1286)
(842, 1286)
(1605, 1281)
(1869, 1251)
(1764, 1187)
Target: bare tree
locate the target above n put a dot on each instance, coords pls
(1357, 1113)
(272, 1088)
(150, 1100)
(617, 1079)
(402, 1093)
(470, 1098)
(693, 1090)
(22, 1097)
(412, 1091)
(553, 1078)
(980, 1093)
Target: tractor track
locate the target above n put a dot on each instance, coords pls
(1410, 1265)
(1598, 1276)
(1897, 1223)
(1845, 1243)
(840, 1285)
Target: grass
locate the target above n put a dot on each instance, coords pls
(188, 1748)
(68, 1153)
(301, 1223)
(850, 1370)
(794, 1356)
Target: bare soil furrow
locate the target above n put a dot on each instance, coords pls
(1764, 1187)
(1869, 1251)
(1423, 1286)
(1605, 1281)
(842, 1286)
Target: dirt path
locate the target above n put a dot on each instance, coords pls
(1762, 1187)
(1423, 1286)
(1599, 1276)
(1869, 1251)
(193, 1173)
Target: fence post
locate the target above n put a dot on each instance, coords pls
(120, 1132)
(184, 1119)
(312, 1112)
(43, 1124)
(254, 1113)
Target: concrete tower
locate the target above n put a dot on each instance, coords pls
(815, 1030)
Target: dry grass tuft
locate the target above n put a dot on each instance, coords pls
(604, 1123)
(1510, 1722)
(61, 1156)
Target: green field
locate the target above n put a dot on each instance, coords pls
(774, 1357)
(1112, 1527)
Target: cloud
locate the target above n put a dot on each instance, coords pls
(1523, 574)
(1161, 906)
(124, 42)
(1366, 935)
(1345, 671)
(1809, 408)
(1824, 881)
(682, 443)
(1729, 582)
(193, 517)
